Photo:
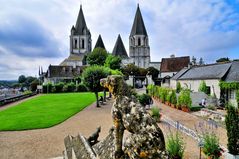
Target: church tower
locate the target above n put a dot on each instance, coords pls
(80, 38)
(139, 49)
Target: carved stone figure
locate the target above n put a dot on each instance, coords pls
(93, 139)
(146, 139)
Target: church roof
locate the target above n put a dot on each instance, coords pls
(233, 74)
(100, 43)
(174, 64)
(119, 48)
(80, 23)
(138, 26)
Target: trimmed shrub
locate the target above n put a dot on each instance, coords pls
(47, 88)
(175, 146)
(203, 87)
(144, 99)
(178, 87)
(184, 98)
(81, 88)
(232, 126)
(173, 97)
(59, 87)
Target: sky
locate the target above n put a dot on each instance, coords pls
(36, 33)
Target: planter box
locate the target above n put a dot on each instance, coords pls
(230, 156)
(185, 109)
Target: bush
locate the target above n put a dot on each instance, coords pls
(211, 107)
(173, 98)
(163, 93)
(211, 146)
(203, 87)
(47, 88)
(59, 87)
(175, 146)
(27, 92)
(169, 96)
(195, 108)
(81, 88)
(184, 99)
(232, 126)
(178, 87)
(155, 113)
(144, 99)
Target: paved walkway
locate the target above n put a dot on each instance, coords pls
(49, 143)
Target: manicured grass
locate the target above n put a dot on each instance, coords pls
(44, 111)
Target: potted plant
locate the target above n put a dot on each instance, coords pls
(173, 99)
(175, 146)
(211, 147)
(184, 100)
(168, 98)
(232, 126)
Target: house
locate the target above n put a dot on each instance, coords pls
(213, 75)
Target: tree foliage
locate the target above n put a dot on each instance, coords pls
(201, 62)
(232, 126)
(97, 57)
(113, 62)
(153, 71)
(91, 78)
(203, 87)
(223, 59)
(22, 79)
(130, 69)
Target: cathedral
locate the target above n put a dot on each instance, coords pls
(81, 45)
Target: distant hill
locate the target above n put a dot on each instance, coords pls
(7, 83)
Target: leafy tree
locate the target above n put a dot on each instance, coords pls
(113, 62)
(33, 85)
(153, 71)
(97, 57)
(144, 99)
(22, 79)
(232, 126)
(203, 87)
(194, 60)
(91, 78)
(223, 59)
(142, 72)
(201, 62)
(130, 69)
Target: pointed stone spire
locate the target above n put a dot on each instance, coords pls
(100, 43)
(119, 49)
(138, 26)
(80, 23)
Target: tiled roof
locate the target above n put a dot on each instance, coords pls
(138, 26)
(212, 71)
(180, 73)
(174, 64)
(100, 43)
(119, 48)
(233, 73)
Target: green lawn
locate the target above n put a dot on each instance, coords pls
(44, 111)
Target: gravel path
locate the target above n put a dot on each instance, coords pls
(49, 143)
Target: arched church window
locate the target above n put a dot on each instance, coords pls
(139, 42)
(83, 44)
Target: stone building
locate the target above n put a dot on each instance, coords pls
(212, 74)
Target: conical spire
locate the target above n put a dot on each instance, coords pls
(80, 23)
(138, 26)
(100, 43)
(119, 49)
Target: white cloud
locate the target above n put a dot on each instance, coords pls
(189, 27)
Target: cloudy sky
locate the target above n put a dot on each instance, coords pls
(35, 33)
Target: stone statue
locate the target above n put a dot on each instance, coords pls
(93, 139)
(143, 140)
(146, 139)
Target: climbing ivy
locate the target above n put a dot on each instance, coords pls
(229, 85)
